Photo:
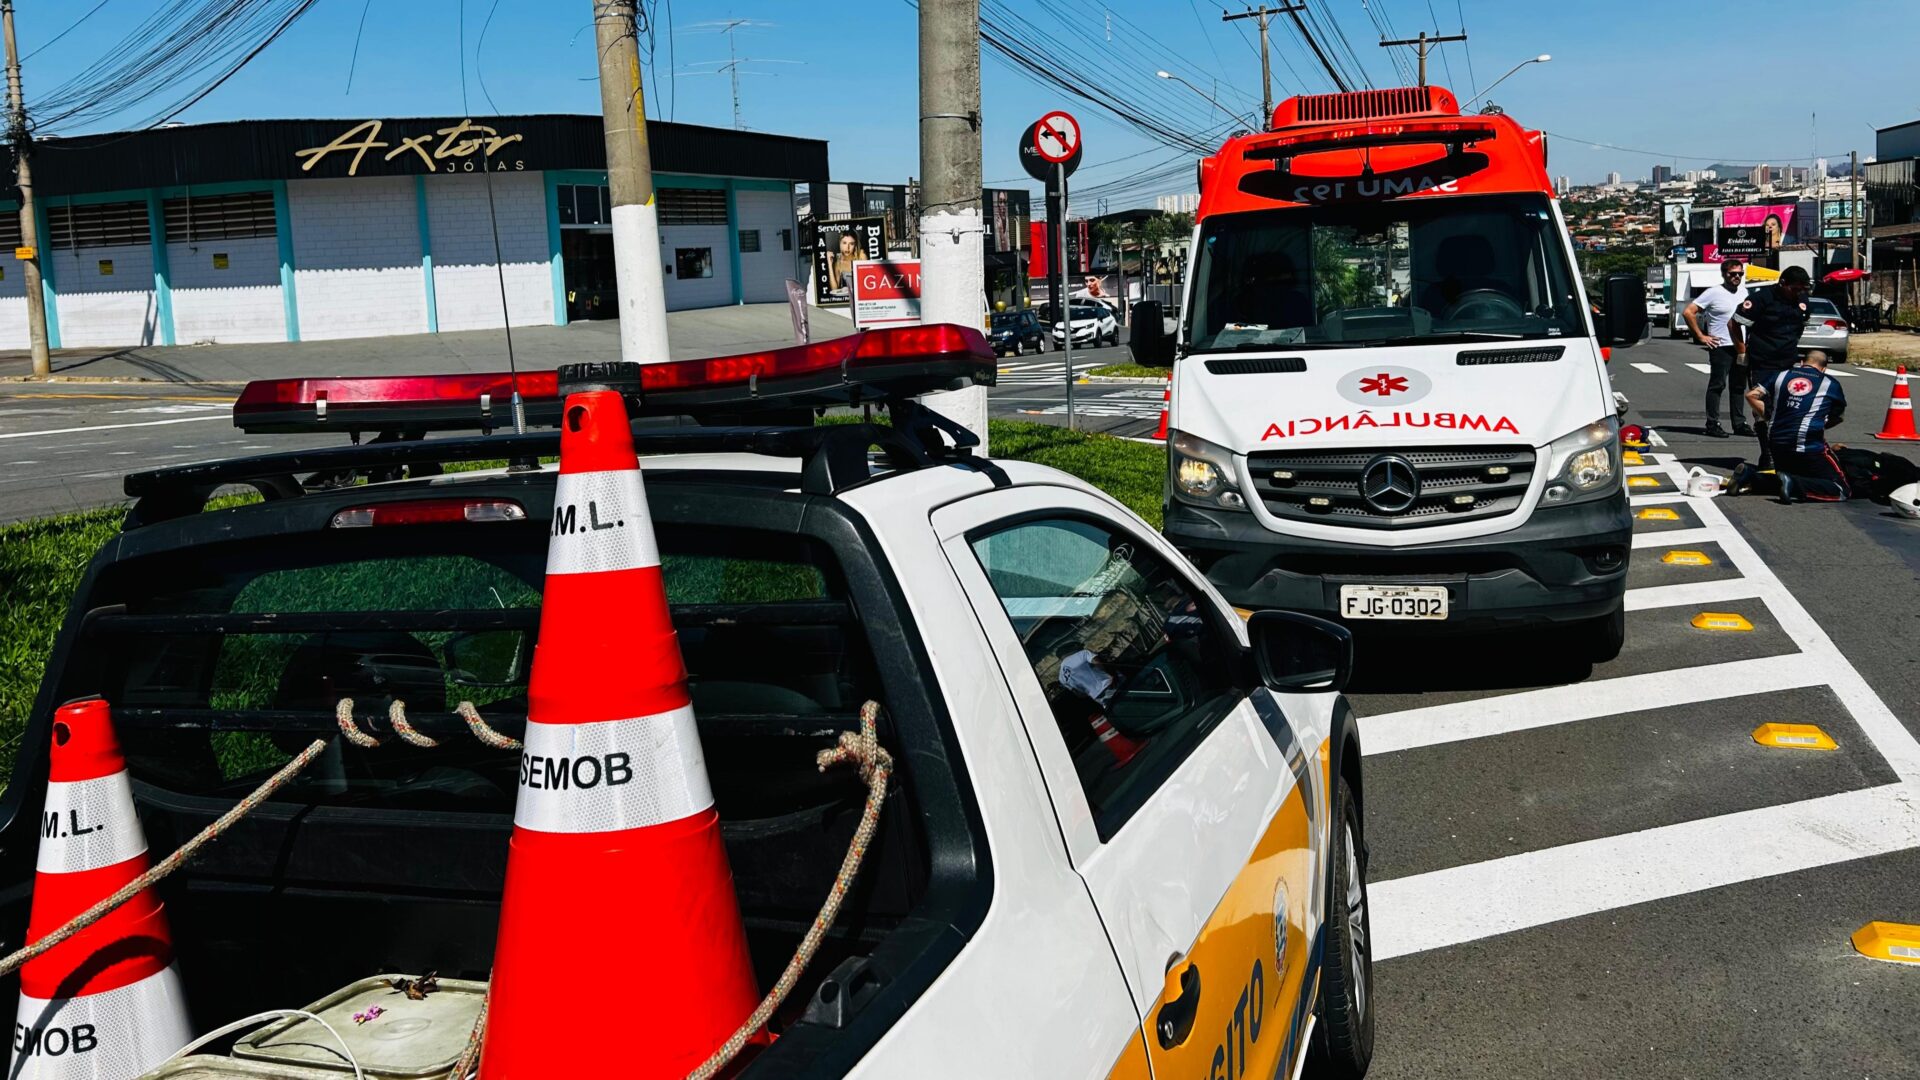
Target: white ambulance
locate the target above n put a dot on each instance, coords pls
(1390, 400)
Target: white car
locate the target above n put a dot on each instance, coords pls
(1125, 835)
(1094, 325)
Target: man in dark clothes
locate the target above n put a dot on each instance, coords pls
(1771, 321)
(1799, 405)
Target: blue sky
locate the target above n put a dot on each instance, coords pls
(1698, 82)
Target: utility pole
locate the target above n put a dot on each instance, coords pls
(1421, 44)
(23, 176)
(636, 220)
(1261, 13)
(952, 275)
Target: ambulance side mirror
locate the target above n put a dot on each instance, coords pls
(1293, 652)
(1623, 310)
(1147, 336)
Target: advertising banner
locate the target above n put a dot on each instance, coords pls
(837, 247)
(1754, 230)
(886, 293)
(1836, 219)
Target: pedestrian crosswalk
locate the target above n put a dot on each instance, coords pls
(1650, 369)
(1656, 369)
(1044, 371)
(1452, 902)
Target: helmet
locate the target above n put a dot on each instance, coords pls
(1633, 435)
(1906, 500)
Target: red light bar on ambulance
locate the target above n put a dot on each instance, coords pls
(867, 366)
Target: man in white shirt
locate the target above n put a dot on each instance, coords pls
(1710, 316)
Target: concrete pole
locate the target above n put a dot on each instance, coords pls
(29, 227)
(1856, 212)
(636, 220)
(952, 275)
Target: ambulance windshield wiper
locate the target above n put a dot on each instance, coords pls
(1463, 335)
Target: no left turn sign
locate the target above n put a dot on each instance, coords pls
(1056, 137)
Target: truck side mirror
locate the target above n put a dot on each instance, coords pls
(1624, 310)
(1147, 337)
(1292, 651)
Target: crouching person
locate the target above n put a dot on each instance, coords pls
(1798, 406)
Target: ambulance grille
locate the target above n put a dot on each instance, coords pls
(1496, 477)
(1272, 365)
(1363, 104)
(1476, 357)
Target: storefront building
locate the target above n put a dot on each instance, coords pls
(292, 230)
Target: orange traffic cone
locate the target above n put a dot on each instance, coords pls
(105, 1004)
(1166, 403)
(1120, 746)
(621, 950)
(1899, 422)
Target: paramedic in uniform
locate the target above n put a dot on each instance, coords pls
(1799, 405)
(1771, 320)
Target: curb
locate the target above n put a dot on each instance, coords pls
(1124, 380)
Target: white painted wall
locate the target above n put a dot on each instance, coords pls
(239, 303)
(696, 292)
(356, 257)
(13, 304)
(466, 284)
(105, 309)
(764, 274)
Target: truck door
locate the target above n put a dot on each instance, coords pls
(1186, 796)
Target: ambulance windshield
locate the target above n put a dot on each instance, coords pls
(1411, 271)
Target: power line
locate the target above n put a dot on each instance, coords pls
(1667, 156)
(1468, 46)
(1444, 60)
(70, 29)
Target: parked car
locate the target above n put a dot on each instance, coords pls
(1014, 332)
(1827, 330)
(1094, 325)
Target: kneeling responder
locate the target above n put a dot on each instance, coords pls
(1771, 321)
(1798, 405)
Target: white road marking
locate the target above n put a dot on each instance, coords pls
(1651, 369)
(1478, 900)
(1701, 368)
(1481, 718)
(1689, 593)
(1841, 374)
(1674, 538)
(1655, 438)
(1497, 896)
(110, 427)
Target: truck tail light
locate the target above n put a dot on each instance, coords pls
(428, 512)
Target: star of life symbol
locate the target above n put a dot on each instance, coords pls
(1383, 384)
(1800, 385)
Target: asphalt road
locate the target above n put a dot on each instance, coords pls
(1577, 871)
(1596, 872)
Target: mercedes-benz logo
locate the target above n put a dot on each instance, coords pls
(1389, 484)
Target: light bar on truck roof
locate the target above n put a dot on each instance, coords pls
(866, 366)
(1282, 146)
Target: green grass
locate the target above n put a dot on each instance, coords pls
(1130, 371)
(41, 561)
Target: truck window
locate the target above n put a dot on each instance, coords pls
(1133, 665)
(1467, 268)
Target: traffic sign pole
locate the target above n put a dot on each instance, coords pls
(1061, 305)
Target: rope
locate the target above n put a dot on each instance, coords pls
(168, 865)
(876, 765)
(481, 731)
(343, 715)
(397, 719)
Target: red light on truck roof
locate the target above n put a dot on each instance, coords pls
(480, 401)
(427, 512)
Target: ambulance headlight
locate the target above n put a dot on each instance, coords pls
(1203, 473)
(1584, 463)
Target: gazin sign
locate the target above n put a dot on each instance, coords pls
(456, 150)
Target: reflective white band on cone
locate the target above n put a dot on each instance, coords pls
(112, 1035)
(600, 523)
(88, 824)
(612, 775)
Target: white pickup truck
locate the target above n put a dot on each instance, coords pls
(1125, 837)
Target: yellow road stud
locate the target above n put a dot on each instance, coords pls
(1721, 620)
(1898, 942)
(1643, 481)
(1631, 457)
(1658, 513)
(1794, 737)
(1687, 558)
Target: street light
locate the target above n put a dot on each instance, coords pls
(1204, 94)
(1541, 59)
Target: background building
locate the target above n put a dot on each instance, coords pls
(289, 230)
